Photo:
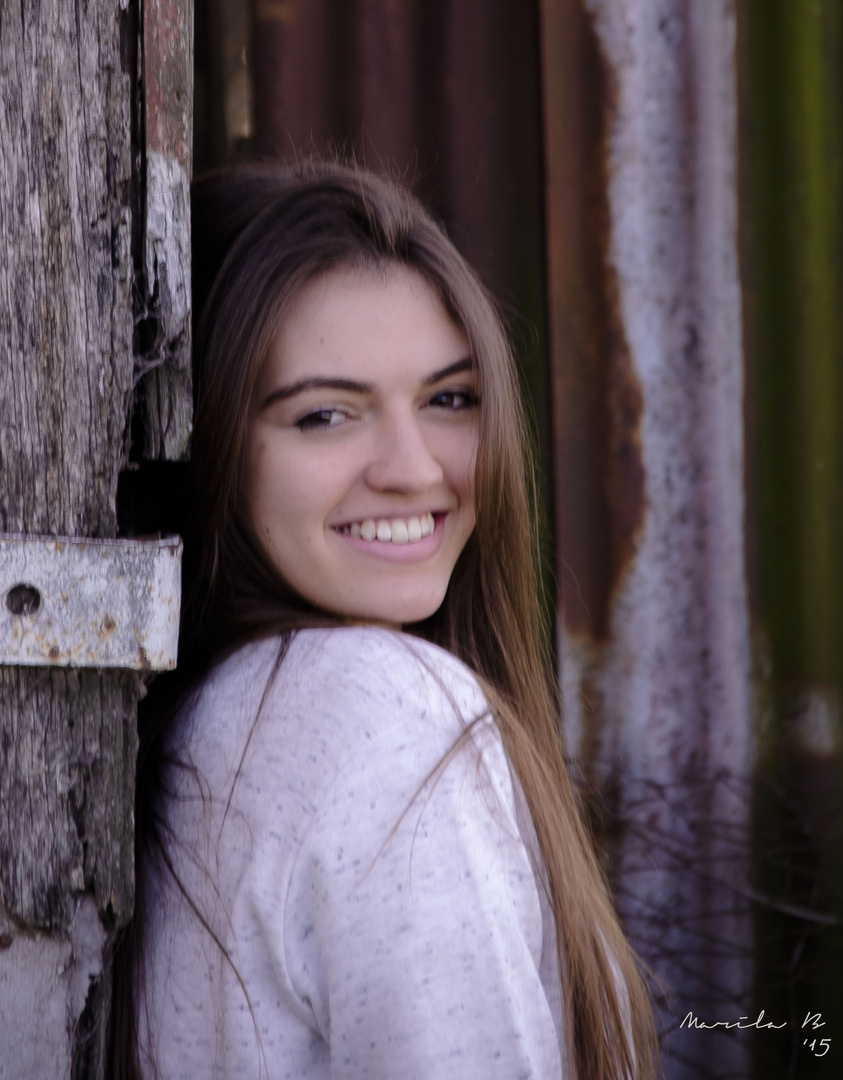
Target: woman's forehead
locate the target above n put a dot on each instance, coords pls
(365, 322)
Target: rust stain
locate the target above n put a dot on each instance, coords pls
(168, 79)
(597, 401)
(625, 477)
(143, 659)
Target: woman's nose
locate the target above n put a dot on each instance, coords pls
(402, 460)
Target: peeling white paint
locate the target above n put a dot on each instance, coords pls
(167, 271)
(167, 250)
(87, 939)
(33, 1008)
(44, 984)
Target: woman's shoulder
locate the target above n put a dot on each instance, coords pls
(339, 688)
(341, 650)
(363, 680)
(379, 662)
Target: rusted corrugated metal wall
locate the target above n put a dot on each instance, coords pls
(584, 156)
(443, 94)
(646, 356)
(792, 167)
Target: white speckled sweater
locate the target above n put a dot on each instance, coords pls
(381, 919)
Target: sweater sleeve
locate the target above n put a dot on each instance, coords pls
(412, 928)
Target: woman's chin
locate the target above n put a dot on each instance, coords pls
(393, 611)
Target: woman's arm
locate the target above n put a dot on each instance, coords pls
(413, 926)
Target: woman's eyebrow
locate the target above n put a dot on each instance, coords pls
(466, 364)
(316, 382)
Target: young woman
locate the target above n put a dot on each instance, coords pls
(359, 852)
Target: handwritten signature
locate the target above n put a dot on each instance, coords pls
(812, 1022)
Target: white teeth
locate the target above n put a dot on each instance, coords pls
(395, 531)
(399, 531)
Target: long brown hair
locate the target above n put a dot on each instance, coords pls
(259, 233)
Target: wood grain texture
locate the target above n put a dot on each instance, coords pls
(67, 738)
(67, 753)
(164, 281)
(65, 270)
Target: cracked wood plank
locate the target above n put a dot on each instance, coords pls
(167, 51)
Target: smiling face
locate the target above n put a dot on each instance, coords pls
(361, 446)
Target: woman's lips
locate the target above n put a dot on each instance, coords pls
(391, 550)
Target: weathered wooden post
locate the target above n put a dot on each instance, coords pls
(95, 120)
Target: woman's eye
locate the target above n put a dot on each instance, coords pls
(321, 418)
(455, 400)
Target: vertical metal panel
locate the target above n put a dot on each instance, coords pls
(599, 495)
(384, 89)
(793, 230)
(233, 16)
(473, 127)
(295, 81)
(656, 652)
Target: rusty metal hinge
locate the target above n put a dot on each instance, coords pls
(89, 603)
